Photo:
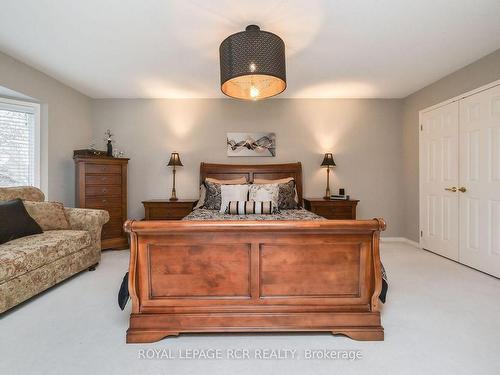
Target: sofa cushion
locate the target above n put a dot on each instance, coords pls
(15, 222)
(28, 253)
(49, 215)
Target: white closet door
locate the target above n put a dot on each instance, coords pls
(439, 180)
(480, 176)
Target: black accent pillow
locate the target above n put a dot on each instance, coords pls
(15, 222)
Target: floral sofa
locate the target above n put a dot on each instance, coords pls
(31, 264)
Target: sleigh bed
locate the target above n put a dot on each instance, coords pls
(211, 274)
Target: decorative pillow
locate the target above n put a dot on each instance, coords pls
(288, 197)
(232, 193)
(234, 181)
(201, 199)
(250, 208)
(264, 193)
(210, 195)
(49, 215)
(15, 222)
(277, 181)
(213, 196)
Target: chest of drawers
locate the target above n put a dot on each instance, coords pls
(101, 183)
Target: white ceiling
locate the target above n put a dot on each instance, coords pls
(169, 48)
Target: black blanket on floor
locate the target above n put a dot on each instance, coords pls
(123, 295)
(385, 285)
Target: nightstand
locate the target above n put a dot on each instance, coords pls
(333, 209)
(164, 209)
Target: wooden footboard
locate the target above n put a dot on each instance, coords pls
(254, 276)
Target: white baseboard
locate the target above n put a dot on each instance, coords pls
(400, 239)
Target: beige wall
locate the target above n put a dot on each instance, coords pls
(375, 142)
(65, 122)
(479, 73)
(364, 135)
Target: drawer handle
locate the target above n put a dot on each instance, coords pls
(104, 200)
(103, 169)
(103, 178)
(104, 190)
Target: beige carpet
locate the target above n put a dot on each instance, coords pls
(440, 318)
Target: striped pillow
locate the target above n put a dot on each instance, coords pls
(250, 208)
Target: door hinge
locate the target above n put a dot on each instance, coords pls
(421, 233)
(421, 127)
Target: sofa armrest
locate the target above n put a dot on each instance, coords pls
(88, 219)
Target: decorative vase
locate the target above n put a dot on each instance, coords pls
(110, 148)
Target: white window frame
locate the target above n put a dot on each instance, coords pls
(25, 106)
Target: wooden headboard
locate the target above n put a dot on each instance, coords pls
(251, 171)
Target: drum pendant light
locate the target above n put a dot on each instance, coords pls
(252, 64)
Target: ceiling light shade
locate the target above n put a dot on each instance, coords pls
(252, 64)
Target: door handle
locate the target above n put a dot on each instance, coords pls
(452, 189)
(462, 190)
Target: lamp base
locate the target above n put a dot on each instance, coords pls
(173, 197)
(327, 194)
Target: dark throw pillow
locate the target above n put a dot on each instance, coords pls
(15, 222)
(286, 196)
(213, 197)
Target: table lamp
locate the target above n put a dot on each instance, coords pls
(175, 161)
(328, 162)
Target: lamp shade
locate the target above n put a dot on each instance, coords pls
(175, 160)
(328, 160)
(252, 64)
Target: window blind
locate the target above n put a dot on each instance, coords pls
(17, 145)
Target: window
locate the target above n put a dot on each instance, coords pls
(19, 143)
